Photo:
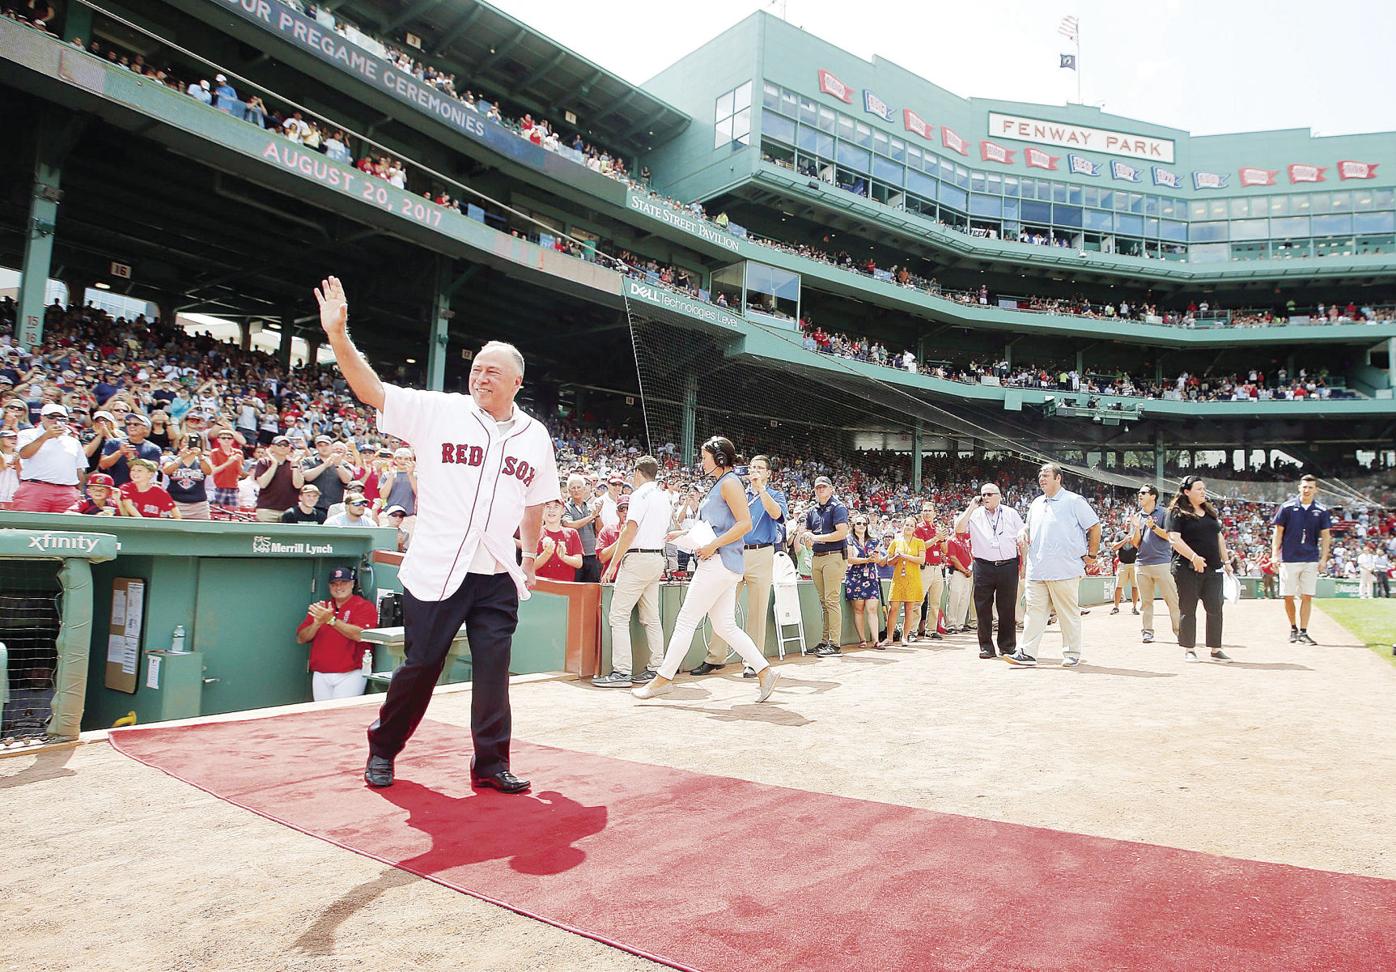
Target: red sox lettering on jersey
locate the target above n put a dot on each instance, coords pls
(473, 484)
(463, 453)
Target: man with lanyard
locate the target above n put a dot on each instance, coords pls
(768, 512)
(1153, 568)
(581, 514)
(994, 544)
(1303, 536)
(932, 571)
(1062, 535)
(484, 470)
(637, 567)
(826, 526)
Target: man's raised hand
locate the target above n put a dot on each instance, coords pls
(334, 306)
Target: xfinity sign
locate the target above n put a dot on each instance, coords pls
(49, 543)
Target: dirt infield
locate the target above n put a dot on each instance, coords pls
(1286, 755)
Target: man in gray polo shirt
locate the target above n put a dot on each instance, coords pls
(1155, 557)
(580, 513)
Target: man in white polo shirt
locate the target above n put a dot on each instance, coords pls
(52, 463)
(636, 566)
(994, 542)
(484, 469)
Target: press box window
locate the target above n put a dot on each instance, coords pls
(732, 116)
(773, 292)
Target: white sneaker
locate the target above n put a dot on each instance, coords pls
(768, 678)
(652, 690)
(1189, 655)
(1070, 661)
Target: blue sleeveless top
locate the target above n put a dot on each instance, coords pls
(715, 512)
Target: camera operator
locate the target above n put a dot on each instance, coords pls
(188, 474)
(51, 464)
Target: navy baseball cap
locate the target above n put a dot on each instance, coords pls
(342, 574)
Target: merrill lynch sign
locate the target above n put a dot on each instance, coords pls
(1078, 136)
(266, 545)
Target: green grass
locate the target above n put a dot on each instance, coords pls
(1372, 621)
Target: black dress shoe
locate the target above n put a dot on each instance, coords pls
(379, 771)
(503, 781)
(987, 653)
(704, 669)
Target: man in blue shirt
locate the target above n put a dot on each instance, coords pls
(1303, 536)
(1062, 533)
(827, 523)
(117, 453)
(1152, 569)
(768, 511)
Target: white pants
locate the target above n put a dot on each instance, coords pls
(637, 584)
(1064, 597)
(337, 685)
(1364, 582)
(713, 592)
(961, 588)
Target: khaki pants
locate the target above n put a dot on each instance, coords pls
(961, 587)
(828, 571)
(933, 583)
(265, 515)
(637, 583)
(1045, 596)
(754, 593)
(1150, 576)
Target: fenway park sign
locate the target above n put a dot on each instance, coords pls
(1102, 140)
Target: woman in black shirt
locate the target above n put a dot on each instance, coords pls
(1199, 557)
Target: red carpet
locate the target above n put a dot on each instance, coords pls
(704, 872)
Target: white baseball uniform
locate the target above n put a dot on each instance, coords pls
(475, 476)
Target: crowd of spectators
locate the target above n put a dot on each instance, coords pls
(179, 425)
(225, 433)
(1253, 385)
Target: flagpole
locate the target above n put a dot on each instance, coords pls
(1078, 63)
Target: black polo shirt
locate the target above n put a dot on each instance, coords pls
(825, 518)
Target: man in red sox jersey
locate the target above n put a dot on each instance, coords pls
(484, 470)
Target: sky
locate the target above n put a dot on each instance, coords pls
(1203, 67)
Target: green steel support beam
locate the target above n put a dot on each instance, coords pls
(499, 51)
(288, 327)
(456, 30)
(689, 427)
(1391, 363)
(1158, 456)
(78, 23)
(56, 136)
(410, 12)
(618, 105)
(537, 73)
(441, 315)
(916, 458)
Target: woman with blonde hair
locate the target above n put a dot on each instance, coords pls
(862, 587)
(906, 555)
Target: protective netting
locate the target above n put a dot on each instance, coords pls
(30, 594)
(804, 406)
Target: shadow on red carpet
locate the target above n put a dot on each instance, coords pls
(711, 873)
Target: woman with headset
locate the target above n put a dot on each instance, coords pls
(713, 591)
(1199, 559)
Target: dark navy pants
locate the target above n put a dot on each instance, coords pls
(488, 606)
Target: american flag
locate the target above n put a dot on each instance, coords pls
(1068, 28)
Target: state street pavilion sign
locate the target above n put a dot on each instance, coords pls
(1101, 140)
